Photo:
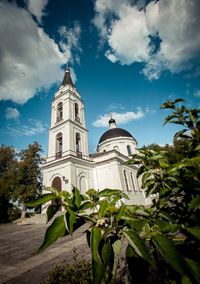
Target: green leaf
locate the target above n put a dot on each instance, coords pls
(120, 212)
(167, 227)
(107, 192)
(70, 219)
(51, 211)
(45, 198)
(179, 100)
(85, 205)
(176, 167)
(98, 272)
(137, 224)
(103, 208)
(168, 250)
(179, 133)
(95, 241)
(195, 203)
(76, 197)
(107, 254)
(56, 230)
(194, 267)
(168, 104)
(144, 178)
(195, 232)
(138, 245)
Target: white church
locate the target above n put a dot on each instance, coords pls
(69, 163)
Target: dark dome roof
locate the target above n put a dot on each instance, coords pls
(113, 133)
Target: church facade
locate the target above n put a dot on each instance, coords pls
(69, 163)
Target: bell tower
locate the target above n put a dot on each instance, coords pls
(68, 163)
(67, 134)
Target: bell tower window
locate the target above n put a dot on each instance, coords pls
(59, 143)
(59, 112)
(78, 143)
(76, 111)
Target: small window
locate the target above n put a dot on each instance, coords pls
(59, 112)
(133, 185)
(76, 111)
(129, 150)
(59, 143)
(126, 181)
(78, 142)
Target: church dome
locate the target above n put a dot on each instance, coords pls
(114, 133)
(117, 139)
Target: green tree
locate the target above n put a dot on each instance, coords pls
(29, 175)
(8, 179)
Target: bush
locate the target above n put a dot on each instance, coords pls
(77, 273)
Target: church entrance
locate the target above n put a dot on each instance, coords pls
(57, 184)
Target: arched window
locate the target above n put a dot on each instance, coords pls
(59, 111)
(59, 143)
(126, 181)
(76, 111)
(56, 183)
(83, 184)
(129, 150)
(132, 180)
(78, 144)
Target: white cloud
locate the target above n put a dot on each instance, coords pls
(30, 60)
(36, 7)
(12, 113)
(197, 93)
(70, 38)
(115, 106)
(127, 30)
(34, 127)
(121, 118)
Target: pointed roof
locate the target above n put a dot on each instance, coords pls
(67, 80)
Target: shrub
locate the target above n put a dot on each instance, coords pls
(77, 273)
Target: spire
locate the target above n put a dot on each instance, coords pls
(112, 122)
(67, 78)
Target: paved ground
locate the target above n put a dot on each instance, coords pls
(19, 262)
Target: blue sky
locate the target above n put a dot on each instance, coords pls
(126, 57)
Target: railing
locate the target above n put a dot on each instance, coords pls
(79, 154)
(58, 155)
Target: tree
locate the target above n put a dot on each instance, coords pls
(29, 175)
(8, 178)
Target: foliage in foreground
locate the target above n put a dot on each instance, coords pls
(165, 238)
(78, 272)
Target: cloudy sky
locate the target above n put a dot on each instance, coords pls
(126, 58)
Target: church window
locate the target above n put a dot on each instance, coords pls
(56, 183)
(76, 110)
(83, 184)
(59, 111)
(78, 142)
(59, 145)
(132, 180)
(129, 150)
(126, 180)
